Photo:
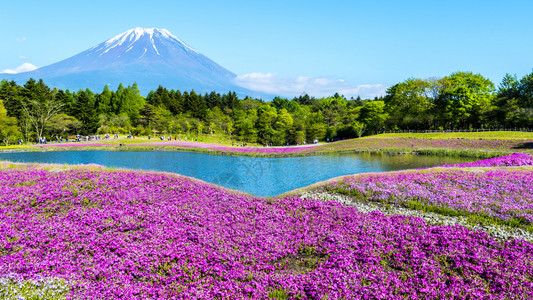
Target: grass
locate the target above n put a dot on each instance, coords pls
(498, 135)
(462, 153)
(14, 287)
(215, 139)
(15, 147)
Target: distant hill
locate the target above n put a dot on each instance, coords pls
(148, 56)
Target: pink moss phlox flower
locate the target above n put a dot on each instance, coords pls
(513, 160)
(142, 235)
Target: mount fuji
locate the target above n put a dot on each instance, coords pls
(148, 56)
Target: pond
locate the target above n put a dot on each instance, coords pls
(255, 175)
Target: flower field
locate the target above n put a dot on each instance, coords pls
(407, 143)
(513, 160)
(500, 194)
(141, 235)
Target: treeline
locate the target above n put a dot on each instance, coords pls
(460, 101)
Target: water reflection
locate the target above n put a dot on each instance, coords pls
(255, 175)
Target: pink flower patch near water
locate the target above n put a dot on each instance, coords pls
(410, 143)
(497, 193)
(138, 235)
(513, 160)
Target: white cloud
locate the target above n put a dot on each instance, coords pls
(314, 86)
(23, 57)
(25, 67)
(20, 39)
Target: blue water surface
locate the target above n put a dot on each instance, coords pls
(255, 175)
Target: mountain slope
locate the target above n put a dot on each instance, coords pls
(148, 56)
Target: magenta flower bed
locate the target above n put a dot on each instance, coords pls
(133, 235)
(492, 144)
(516, 159)
(268, 150)
(502, 194)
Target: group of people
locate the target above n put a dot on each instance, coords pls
(240, 144)
(78, 138)
(41, 140)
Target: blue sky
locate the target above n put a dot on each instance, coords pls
(354, 47)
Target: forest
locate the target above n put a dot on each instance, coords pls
(462, 100)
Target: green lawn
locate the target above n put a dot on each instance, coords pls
(498, 135)
(215, 139)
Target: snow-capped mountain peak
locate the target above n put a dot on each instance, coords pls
(147, 39)
(148, 56)
(131, 36)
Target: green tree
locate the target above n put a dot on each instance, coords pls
(280, 103)
(10, 94)
(85, 112)
(104, 102)
(283, 127)
(9, 131)
(213, 100)
(131, 102)
(195, 104)
(230, 100)
(465, 99)
(148, 115)
(165, 99)
(39, 105)
(266, 116)
(373, 116)
(63, 124)
(315, 127)
(514, 102)
(408, 106)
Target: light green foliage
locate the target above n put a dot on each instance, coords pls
(278, 295)
(464, 98)
(131, 102)
(373, 115)
(38, 104)
(408, 104)
(13, 287)
(283, 126)
(63, 124)
(359, 128)
(266, 117)
(498, 135)
(9, 130)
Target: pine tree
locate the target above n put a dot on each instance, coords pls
(85, 112)
(103, 101)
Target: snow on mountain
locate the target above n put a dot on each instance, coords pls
(148, 56)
